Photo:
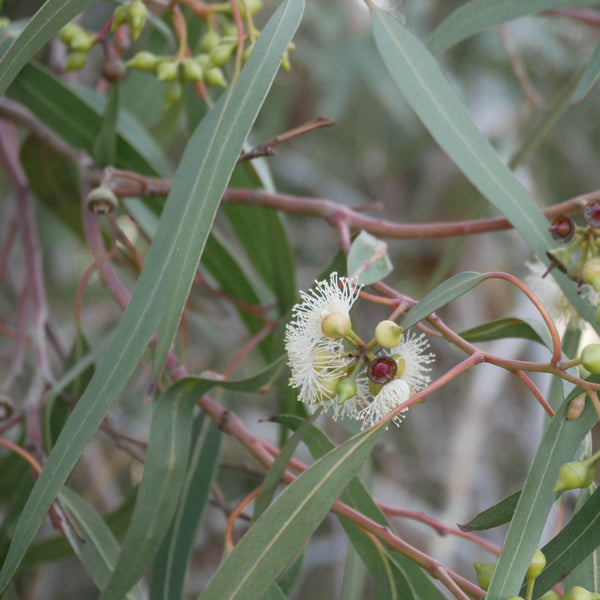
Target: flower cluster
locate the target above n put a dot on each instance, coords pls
(331, 366)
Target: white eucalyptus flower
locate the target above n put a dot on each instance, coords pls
(412, 360)
(552, 297)
(318, 362)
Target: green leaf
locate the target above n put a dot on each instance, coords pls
(170, 565)
(589, 77)
(419, 78)
(587, 574)
(54, 180)
(277, 469)
(203, 175)
(368, 259)
(164, 472)
(56, 409)
(558, 445)
(397, 574)
(193, 194)
(477, 15)
(260, 231)
(496, 515)
(262, 554)
(571, 545)
(508, 327)
(77, 115)
(451, 289)
(560, 103)
(97, 547)
(51, 16)
(105, 146)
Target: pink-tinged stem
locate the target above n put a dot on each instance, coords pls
(534, 390)
(440, 528)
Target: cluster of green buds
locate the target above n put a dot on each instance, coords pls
(536, 566)
(579, 256)
(133, 15)
(80, 42)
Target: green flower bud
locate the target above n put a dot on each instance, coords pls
(591, 273)
(335, 325)
(167, 70)
(220, 55)
(173, 92)
(83, 41)
(203, 60)
(136, 18)
(192, 71)
(119, 16)
(573, 475)
(101, 200)
(484, 574)
(549, 595)
(253, 6)
(286, 65)
(67, 33)
(144, 61)
(209, 40)
(215, 77)
(346, 389)
(76, 61)
(579, 593)
(536, 566)
(388, 334)
(576, 407)
(248, 51)
(590, 358)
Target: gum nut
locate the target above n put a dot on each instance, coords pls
(76, 61)
(192, 71)
(537, 564)
(220, 55)
(346, 389)
(167, 70)
(144, 61)
(119, 16)
(173, 92)
(136, 18)
(484, 574)
(580, 593)
(83, 42)
(215, 77)
(590, 358)
(101, 200)
(573, 475)
(67, 33)
(388, 334)
(113, 68)
(590, 273)
(209, 40)
(335, 325)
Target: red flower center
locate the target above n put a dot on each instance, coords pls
(381, 370)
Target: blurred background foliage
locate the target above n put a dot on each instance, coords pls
(470, 444)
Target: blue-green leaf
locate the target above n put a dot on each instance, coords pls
(52, 15)
(477, 15)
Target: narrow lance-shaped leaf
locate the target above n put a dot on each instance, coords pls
(572, 545)
(262, 554)
(477, 15)
(170, 564)
(557, 446)
(94, 544)
(164, 472)
(51, 16)
(397, 574)
(589, 77)
(204, 177)
(417, 75)
(445, 292)
(194, 193)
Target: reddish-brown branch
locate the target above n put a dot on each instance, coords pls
(439, 527)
